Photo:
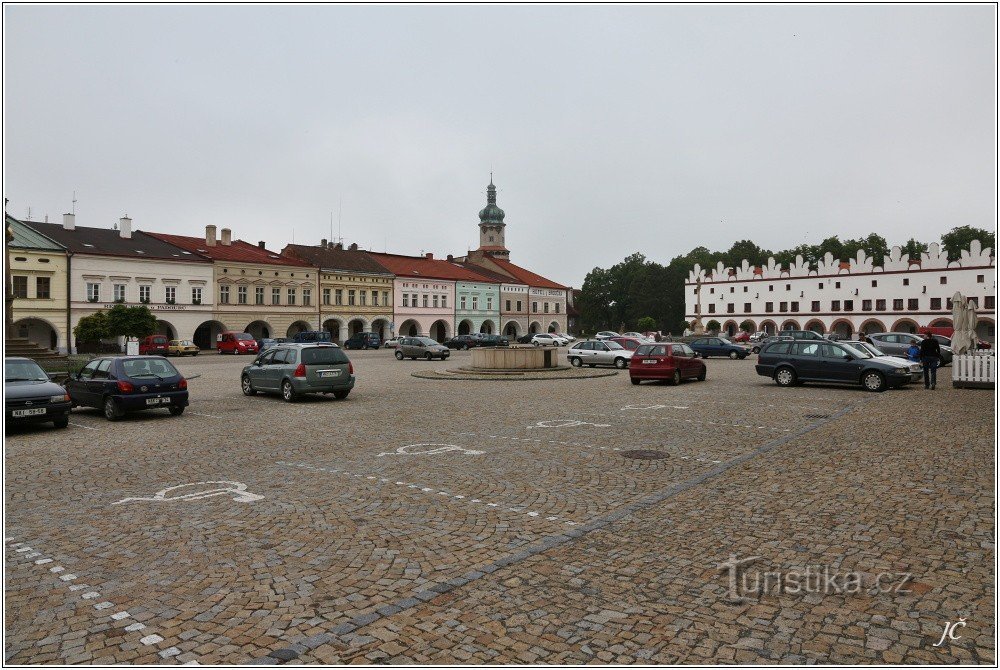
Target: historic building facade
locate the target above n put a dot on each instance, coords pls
(355, 292)
(40, 278)
(477, 307)
(257, 291)
(108, 267)
(849, 298)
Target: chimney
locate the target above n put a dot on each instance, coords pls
(322, 244)
(354, 246)
(125, 227)
(261, 244)
(450, 258)
(338, 245)
(210, 235)
(227, 237)
(69, 221)
(429, 256)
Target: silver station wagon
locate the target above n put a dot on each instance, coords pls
(421, 347)
(295, 369)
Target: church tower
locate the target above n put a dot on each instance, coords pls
(491, 225)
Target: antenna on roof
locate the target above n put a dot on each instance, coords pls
(340, 214)
(74, 203)
(29, 213)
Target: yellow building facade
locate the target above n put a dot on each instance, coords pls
(39, 269)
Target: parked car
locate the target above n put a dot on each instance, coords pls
(421, 347)
(875, 351)
(463, 342)
(307, 336)
(121, 384)
(30, 396)
(946, 342)
(526, 338)
(568, 338)
(837, 337)
(157, 345)
(606, 335)
(181, 348)
(548, 340)
(362, 341)
(391, 343)
(718, 346)
(801, 334)
(598, 352)
(632, 333)
(758, 336)
(230, 342)
(896, 344)
(294, 369)
(268, 342)
(493, 341)
(666, 361)
(630, 343)
(791, 362)
(742, 336)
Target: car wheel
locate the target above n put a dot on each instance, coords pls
(702, 374)
(428, 356)
(535, 343)
(247, 386)
(575, 362)
(195, 353)
(755, 350)
(784, 376)
(873, 381)
(399, 355)
(733, 355)
(340, 395)
(287, 391)
(635, 382)
(111, 411)
(621, 363)
(176, 410)
(61, 423)
(676, 379)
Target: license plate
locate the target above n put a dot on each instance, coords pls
(156, 401)
(29, 412)
(648, 362)
(329, 373)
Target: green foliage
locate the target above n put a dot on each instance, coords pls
(713, 326)
(92, 328)
(914, 249)
(958, 239)
(747, 326)
(646, 324)
(135, 321)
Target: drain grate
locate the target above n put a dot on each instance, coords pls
(817, 416)
(645, 454)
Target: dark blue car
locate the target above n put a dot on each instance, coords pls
(791, 362)
(718, 346)
(121, 384)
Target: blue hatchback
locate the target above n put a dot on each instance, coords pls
(120, 384)
(718, 346)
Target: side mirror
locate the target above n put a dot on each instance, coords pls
(848, 357)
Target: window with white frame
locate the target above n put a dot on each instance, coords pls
(326, 296)
(338, 296)
(461, 302)
(435, 300)
(444, 301)
(475, 302)
(275, 295)
(306, 296)
(119, 292)
(224, 294)
(170, 293)
(351, 299)
(258, 295)
(291, 296)
(145, 292)
(93, 291)
(406, 300)
(241, 295)
(195, 295)
(363, 295)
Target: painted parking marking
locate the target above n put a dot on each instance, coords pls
(700, 458)
(700, 423)
(567, 423)
(430, 449)
(218, 488)
(454, 497)
(210, 416)
(80, 425)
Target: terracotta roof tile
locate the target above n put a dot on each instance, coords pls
(525, 276)
(430, 268)
(237, 252)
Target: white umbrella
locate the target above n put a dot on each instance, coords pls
(960, 340)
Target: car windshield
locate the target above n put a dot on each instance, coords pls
(724, 340)
(244, 336)
(23, 371)
(614, 346)
(426, 340)
(323, 356)
(186, 343)
(148, 367)
(857, 350)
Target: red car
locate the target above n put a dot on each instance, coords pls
(629, 343)
(236, 343)
(666, 361)
(154, 345)
(742, 336)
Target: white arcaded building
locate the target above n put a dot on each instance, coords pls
(862, 295)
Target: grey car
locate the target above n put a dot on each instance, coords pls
(421, 347)
(896, 344)
(598, 352)
(295, 369)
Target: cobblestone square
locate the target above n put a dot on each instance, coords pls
(446, 521)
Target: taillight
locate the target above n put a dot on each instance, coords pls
(125, 387)
(350, 368)
(300, 370)
(182, 384)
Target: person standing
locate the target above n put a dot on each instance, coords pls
(930, 358)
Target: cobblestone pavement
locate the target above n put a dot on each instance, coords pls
(524, 533)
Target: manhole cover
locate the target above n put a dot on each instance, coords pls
(645, 454)
(817, 416)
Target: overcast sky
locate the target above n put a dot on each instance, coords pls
(609, 129)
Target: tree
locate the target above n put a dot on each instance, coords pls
(135, 321)
(746, 326)
(93, 328)
(646, 324)
(914, 249)
(958, 239)
(713, 326)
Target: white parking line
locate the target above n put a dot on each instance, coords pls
(210, 416)
(80, 425)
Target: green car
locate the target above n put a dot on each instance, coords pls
(294, 369)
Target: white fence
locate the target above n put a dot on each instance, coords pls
(975, 369)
